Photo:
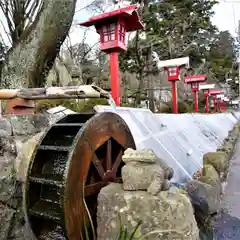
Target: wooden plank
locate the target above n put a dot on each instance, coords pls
(77, 92)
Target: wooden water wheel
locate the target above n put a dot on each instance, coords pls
(79, 152)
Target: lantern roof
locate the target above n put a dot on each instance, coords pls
(206, 87)
(176, 62)
(214, 91)
(196, 78)
(128, 14)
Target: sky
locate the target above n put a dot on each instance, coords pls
(226, 17)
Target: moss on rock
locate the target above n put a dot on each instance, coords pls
(217, 159)
(210, 172)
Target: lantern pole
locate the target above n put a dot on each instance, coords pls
(114, 74)
(195, 96)
(207, 91)
(207, 103)
(214, 104)
(174, 97)
(173, 76)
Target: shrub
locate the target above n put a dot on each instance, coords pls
(183, 107)
(85, 105)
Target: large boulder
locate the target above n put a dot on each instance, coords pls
(210, 193)
(210, 172)
(219, 160)
(168, 215)
(211, 176)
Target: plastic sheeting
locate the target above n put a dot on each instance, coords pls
(180, 139)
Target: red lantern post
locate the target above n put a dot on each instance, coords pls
(173, 76)
(206, 94)
(220, 103)
(112, 27)
(206, 91)
(173, 66)
(194, 81)
(213, 93)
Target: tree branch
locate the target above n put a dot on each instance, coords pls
(30, 60)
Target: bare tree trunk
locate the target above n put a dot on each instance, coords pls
(29, 61)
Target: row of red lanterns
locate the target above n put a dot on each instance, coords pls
(112, 28)
(194, 82)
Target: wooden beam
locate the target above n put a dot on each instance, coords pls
(69, 92)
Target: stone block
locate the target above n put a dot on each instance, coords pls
(142, 155)
(142, 176)
(166, 216)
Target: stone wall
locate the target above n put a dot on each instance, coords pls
(14, 132)
(206, 190)
(18, 138)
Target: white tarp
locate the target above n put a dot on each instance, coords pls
(179, 139)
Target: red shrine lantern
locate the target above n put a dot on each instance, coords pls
(173, 73)
(194, 81)
(113, 26)
(112, 36)
(213, 93)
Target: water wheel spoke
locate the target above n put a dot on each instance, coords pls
(118, 161)
(96, 187)
(98, 165)
(109, 155)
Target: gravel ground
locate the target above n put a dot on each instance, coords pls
(227, 224)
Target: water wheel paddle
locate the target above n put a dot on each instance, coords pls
(79, 151)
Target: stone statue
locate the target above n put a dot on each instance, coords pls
(143, 172)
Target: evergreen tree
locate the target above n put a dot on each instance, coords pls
(176, 28)
(222, 56)
(173, 29)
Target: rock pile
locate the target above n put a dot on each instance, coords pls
(205, 190)
(145, 195)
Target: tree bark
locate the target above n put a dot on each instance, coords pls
(29, 61)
